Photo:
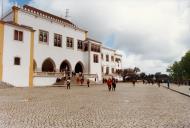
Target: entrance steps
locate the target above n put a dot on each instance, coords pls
(5, 85)
(74, 81)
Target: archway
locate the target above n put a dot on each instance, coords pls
(65, 66)
(34, 66)
(79, 67)
(48, 65)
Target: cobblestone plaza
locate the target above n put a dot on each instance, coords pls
(142, 106)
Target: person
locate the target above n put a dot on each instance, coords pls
(109, 83)
(168, 83)
(113, 84)
(88, 83)
(68, 83)
(158, 83)
(82, 80)
(133, 82)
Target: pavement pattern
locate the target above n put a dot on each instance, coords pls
(182, 88)
(142, 106)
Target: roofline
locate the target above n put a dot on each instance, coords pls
(46, 13)
(108, 48)
(17, 25)
(118, 54)
(30, 9)
(94, 40)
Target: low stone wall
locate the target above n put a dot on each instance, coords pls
(44, 81)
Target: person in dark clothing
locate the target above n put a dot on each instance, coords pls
(134, 82)
(88, 83)
(168, 83)
(68, 83)
(113, 84)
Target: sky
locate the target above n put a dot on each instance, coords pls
(150, 34)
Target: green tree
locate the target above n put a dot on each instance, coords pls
(181, 70)
(185, 63)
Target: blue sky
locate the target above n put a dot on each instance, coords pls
(20, 2)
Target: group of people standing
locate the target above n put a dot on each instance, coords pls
(111, 84)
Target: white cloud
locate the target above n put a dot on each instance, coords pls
(151, 33)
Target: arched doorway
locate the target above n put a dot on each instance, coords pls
(65, 66)
(79, 67)
(34, 66)
(48, 65)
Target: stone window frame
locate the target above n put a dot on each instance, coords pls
(57, 40)
(107, 58)
(43, 36)
(70, 42)
(18, 35)
(95, 58)
(80, 44)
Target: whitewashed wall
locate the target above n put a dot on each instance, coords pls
(95, 68)
(44, 81)
(17, 75)
(118, 65)
(57, 54)
(110, 64)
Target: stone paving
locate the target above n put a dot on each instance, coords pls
(182, 88)
(142, 106)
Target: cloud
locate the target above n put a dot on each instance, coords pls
(151, 33)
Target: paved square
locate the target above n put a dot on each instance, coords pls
(81, 107)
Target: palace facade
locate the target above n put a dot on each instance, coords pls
(36, 47)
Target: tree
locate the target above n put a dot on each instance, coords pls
(136, 69)
(176, 71)
(142, 75)
(185, 65)
(130, 74)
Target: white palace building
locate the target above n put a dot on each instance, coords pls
(36, 47)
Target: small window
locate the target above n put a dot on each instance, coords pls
(17, 61)
(57, 40)
(117, 60)
(70, 42)
(18, 35)
(95, 58)
(85, 47)
(102, 56)
(95, 48)
(112, 58)
(112, 70)
(107, 70)
(80, 44)
(43, 36)
(107, 58)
